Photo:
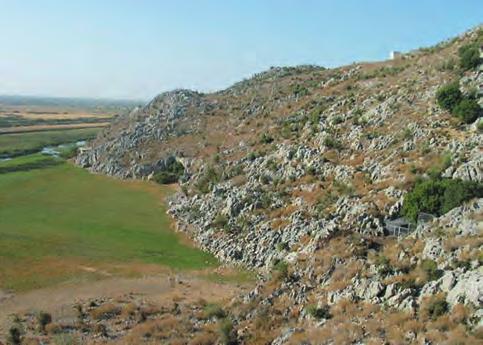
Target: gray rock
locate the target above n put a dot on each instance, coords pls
(468, 289)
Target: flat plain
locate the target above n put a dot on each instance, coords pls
(59, 223)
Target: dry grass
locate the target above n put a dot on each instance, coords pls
(105, 311)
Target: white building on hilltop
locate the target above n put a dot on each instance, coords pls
(394, 54)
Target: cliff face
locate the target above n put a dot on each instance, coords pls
(300, 167)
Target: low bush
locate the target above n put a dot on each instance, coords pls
(206, 182)
(14, 336)
(469, 56)
(214, 310)
(43, 320)
(171, 174)
(383, 265)
(430, 268)
(468, 110)
(480, 126)
(437, 307)
(332, 143)
(448, 96)
(266, 138)
(220, 222)
(438, 196)
(69, 152)
(226, 332)
(281, 268)
(319, 312)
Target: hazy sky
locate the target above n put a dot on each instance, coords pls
(138, 48)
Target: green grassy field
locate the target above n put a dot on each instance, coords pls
(25, 143)
(60, 223)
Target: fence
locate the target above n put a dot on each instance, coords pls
(401, 227)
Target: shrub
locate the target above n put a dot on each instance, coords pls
(265, 179)
(214, 310)
(383, 265)
(332, 143)
(226, 332)
(69, 152)
(437, 307)
(281, 267)
(220, 221)
(438, 196)
(14, 336)
(282, 246)
(338, 119)
(171, 174)
(266, 139)
(469, 56)
(448, 96)
(319, 313)
(43, 319)
(468, 110)
(300, 90)
(206, 181)
(251, 156)
(326, 201)
(431, 270)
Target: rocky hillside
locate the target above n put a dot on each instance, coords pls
(297, 172)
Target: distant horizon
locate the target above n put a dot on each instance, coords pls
(133, 50)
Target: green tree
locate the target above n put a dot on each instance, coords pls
(437, 196)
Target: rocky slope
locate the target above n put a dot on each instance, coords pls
(294, 172)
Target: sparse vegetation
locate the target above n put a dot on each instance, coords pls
(281, 269)
(430, 268)
(266, 138)
(214, 310)
(206, 182)
(436, 306)
(319, 312)
(226, 332)
(332, 143)
(220, 222)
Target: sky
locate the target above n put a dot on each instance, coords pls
(135, 49)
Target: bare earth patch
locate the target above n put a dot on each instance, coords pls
(161, 289)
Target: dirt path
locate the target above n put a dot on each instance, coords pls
(59, 300)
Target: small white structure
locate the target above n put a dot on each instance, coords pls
(395, 54)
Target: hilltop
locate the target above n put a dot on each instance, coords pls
(297, 172)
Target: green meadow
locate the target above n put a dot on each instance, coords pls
(60, 223)
(26, 143)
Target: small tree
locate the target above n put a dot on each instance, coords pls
(468, 110)
(438, 196)
(448, 96)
